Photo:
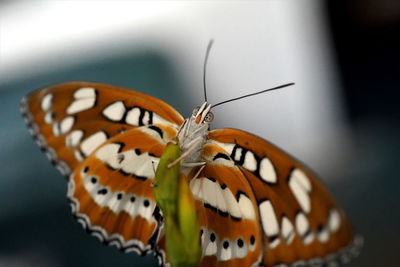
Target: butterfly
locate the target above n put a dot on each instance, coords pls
(256, 204)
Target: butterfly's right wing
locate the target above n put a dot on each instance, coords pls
(258, 205)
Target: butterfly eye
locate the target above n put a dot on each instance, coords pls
(194, 112)
(209, 117)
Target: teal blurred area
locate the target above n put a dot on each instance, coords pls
(38, 229)
(341, 118)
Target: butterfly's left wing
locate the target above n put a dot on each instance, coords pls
(260, 204)
(111, 191)
(105, 138)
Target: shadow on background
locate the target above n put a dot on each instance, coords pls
(366, 39)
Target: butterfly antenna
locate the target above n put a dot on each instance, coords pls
(204, 67)
(256, 93)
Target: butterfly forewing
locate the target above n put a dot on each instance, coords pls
(300, 221)
(70, 120)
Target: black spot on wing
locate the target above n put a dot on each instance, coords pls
(221, 156)
(272, 238)
(141, 116)
(157, 130)
(206, 205)
(121, 146)
(240, 193)
(212, 179)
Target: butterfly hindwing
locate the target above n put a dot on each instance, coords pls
(111, 190)
(227, 208)
(299, 220)
(70, 120)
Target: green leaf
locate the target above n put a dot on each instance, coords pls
(174, 198)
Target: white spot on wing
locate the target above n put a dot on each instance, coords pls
(56, 129)
(48, 117)
(132, 117)
(90, 186)
(195, 186)
(246, 207)
(231, 203)
(78, 155)
(238, 153)
(107, 151)
(143, 211)
(209, 192)
(267, 171)
(250, 162)
(302, 179)
(287, 230)
(302, 225)
(102, 199)
(128, 161)
(139, 165)
(221, 205)
(323, 235)
(203, 236)
(334, 220)
(85, 92)
(74, 138)
(225, 146)
(66, 124)
(114, 204)
(225, 253)
(132, 207)
(210, 247)
(146, 118)
(275, 243)
(157, 119)
(268, 218)
(46, 102)
(299, 191)
(92, 142)
(240, 252)
(80, 105)
(118, 201)
(308, 238)
(115, 111)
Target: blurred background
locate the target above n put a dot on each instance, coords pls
(341, 118)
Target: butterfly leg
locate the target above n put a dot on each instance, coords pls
(199, 171)
(191, 147)
(193, 164)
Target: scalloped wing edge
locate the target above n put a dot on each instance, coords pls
(33, 129)
(117, 240)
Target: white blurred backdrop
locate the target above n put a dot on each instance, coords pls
(258, 45)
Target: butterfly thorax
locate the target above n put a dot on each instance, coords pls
(192, 136)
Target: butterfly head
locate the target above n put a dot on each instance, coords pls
(202, 114)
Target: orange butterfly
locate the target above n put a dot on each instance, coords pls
(256, 204)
